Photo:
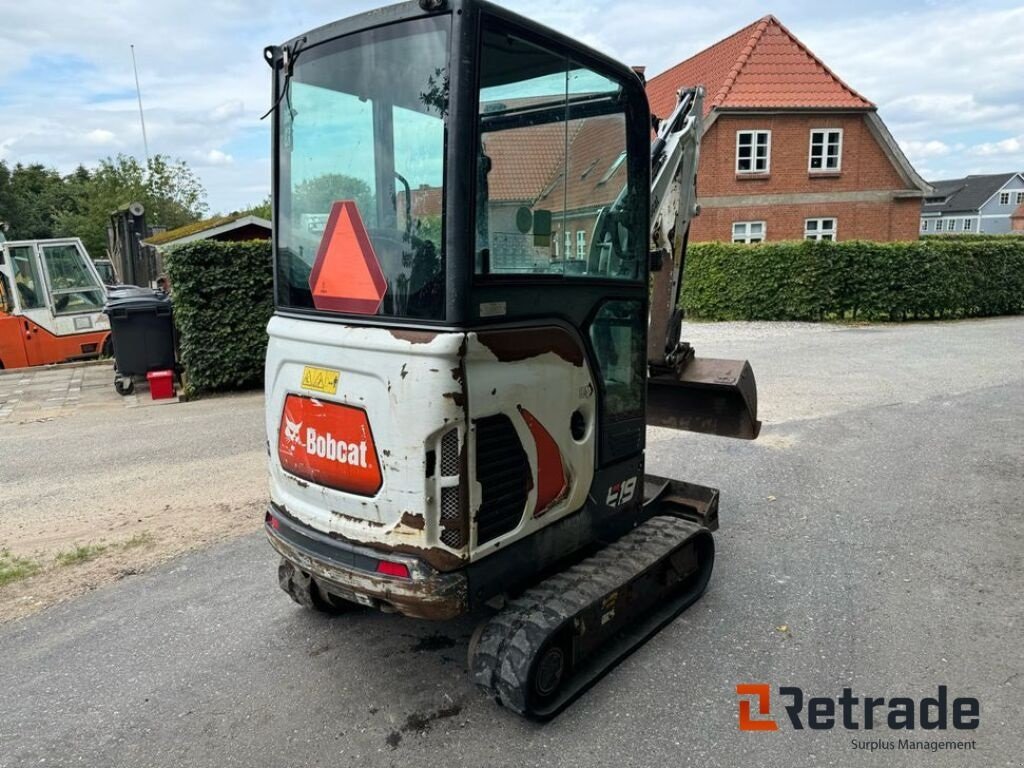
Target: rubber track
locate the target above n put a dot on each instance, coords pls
(511, 639)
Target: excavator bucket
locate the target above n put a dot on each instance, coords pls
(716, 397)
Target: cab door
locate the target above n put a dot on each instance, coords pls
(34, 313)
(12, 334)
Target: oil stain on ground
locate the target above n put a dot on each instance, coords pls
(434, 642)
(420, 722)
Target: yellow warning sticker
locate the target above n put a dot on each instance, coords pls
(320, 380)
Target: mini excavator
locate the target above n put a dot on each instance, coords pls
(479, 241)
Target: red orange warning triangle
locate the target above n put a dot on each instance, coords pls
(346, 275)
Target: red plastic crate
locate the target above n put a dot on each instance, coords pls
(161, 384)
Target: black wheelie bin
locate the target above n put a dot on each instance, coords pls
(142, 332)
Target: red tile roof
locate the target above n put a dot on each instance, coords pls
(762, 66)
(524, 160)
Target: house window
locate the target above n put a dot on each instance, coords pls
(951, 225)
(581, 244)
(938, 225)
(1020, 198)
(1004, 198)
(753, 151)
(826, 150)
(748, 231)
(820, 229)
(968, 225)
(924, 225)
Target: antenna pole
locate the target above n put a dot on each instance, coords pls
(142, 118)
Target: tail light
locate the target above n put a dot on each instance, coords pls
(388, 568)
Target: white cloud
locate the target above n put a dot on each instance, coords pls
(100, 136)
(216, 157)
(227, 111)
(1011, 146)
(920, 149)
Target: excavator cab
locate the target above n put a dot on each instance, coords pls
(457, 370)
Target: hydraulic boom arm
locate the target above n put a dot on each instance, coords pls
(685, 392)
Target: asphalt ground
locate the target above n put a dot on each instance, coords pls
(871, 539)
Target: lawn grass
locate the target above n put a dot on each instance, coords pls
(14, 568)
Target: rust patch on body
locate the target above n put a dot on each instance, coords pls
(414, 337)
(510, 346)
(357, 520)
(455, 397)
(439, 559)
(410, 520)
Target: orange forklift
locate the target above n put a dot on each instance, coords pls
(51, 304)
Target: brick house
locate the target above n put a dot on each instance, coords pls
(789, 150)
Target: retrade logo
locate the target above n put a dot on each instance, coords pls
(329, 444)
(823, 713)
(761, 693)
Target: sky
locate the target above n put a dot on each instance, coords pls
(948, 77)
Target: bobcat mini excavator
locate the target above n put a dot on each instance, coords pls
(465, 352)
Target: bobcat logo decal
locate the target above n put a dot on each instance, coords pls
(291, 430)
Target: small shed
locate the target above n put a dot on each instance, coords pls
(227, 228)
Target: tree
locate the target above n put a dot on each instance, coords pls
(263, 209)
(30, 198)
(169, 190)
(318, 194)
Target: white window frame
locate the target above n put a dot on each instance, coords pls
(754, 170)
(581, 244)
(1019, 198)
(824, 132)
(924, 225)
(1004, 198)
(968, 224)
(817, 231)
(951, 225)
(745, 236)
(567, 242)
(938, 225)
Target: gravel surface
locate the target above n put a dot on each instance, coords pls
(143, 484)
(872, 538)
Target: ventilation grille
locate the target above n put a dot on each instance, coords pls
(450, 512)
(450, 453)
(503, 472)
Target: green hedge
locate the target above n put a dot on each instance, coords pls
(935, 278)
(223, 298)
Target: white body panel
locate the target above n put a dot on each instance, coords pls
(497, 386)
(411, 396)
(415, 387)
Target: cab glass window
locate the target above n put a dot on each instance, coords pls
(26, 277)
(362, 119)
(553, 193)
(73, 287)
(618, 334)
